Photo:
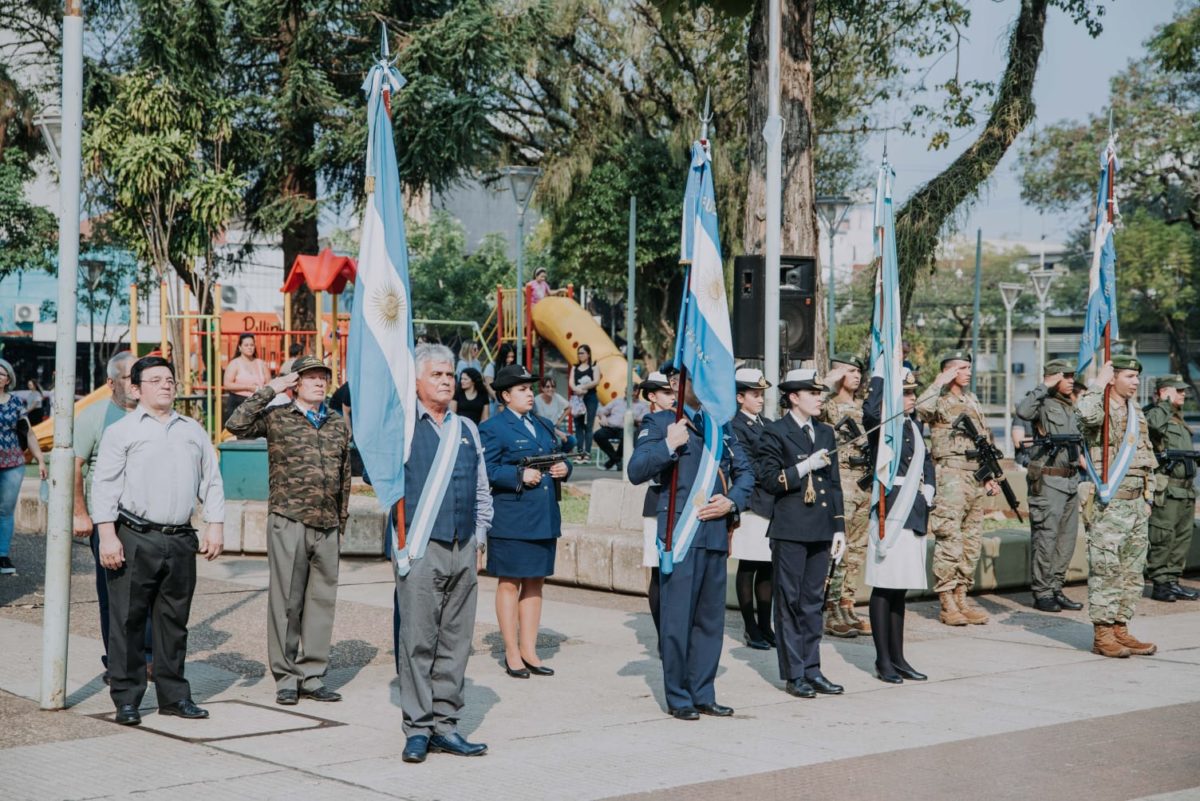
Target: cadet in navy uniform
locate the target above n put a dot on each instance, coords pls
(750, 545)
(807, 528)
(692, 595)
(896, 564)
(526, 522)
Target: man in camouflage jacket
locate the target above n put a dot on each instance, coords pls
(308, 450)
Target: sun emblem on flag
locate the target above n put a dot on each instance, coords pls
(716, 288)
(388, 304)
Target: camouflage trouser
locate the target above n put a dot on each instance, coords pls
(956, 523)
(1116, 541)
(848, 574)
(1171, 523)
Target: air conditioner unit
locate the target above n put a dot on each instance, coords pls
(26, 313)
(229, 297)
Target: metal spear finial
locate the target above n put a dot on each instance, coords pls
(384, 52)
(706, 117)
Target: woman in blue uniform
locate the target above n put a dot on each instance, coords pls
(896, 563)
(750, 545)
(525, 530)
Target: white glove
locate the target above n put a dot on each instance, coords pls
(927, 491)
(815, 461)
(838, 549)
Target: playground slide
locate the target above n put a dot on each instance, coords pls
(567, 325)
(44, 431)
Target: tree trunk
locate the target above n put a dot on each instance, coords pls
(920, 221)
(799, 219)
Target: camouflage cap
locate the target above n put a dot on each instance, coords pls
(1123, 361)
(305, 363)
(1059, 366)
(955, 356)
(1170, 382)
(850, 359)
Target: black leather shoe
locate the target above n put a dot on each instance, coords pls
(128, 715)
(769, 636)
(538, 670)
(322, 693)
(1183, 593)
(758, 644)
(454, 743)
(889, 676)
(1067, 603)
(287, 698)
(800, 688)
(520, 673)
(183, 709)
(825, 686)
(685, 713)
(1164, 593)
(909, 673)
(1047, 604)
(714, 709)
(415, 748)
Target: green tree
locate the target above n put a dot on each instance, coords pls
(27, 231)
(446, 282)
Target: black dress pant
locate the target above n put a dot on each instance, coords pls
(155, 584)
(102, 601)
(610, 439)
(800, 569)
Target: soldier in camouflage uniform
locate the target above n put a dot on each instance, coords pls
(1116, 531)
(844, 380)
(308, 451)
(1053, 479)
(1174, 510)
(957, 517)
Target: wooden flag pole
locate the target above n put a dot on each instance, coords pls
(1104, 435)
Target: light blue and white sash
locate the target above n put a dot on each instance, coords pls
(432, 494)
(900, 506)
(702, 486)
(1120, 466)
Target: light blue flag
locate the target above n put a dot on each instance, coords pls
(886, 358)
(1102, 280)
(704, 343)
(379, 356)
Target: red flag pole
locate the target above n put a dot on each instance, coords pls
(1104, 434)
(675, 469)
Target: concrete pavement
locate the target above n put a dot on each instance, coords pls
(1018, 708)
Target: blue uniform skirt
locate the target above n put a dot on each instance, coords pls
(521, 558)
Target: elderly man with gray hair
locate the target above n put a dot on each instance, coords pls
(446, 520)
(89, 429)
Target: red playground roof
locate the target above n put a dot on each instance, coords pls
(325, 272)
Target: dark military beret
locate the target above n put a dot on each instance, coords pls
(955, 356)
(1123, 361)
(850, 359)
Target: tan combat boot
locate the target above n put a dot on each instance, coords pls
(1105, 642)
(861, 625)
(974, 615)
(1136, 647)
(835, 626)
(950, 614)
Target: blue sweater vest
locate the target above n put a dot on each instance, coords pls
(456, 519)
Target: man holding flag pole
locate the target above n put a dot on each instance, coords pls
(1117, 516)
(697, 458)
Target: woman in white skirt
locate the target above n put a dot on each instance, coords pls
(659, 391)
(750, 545)
(896, 562)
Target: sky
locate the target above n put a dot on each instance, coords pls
(1072, 82)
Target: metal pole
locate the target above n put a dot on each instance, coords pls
(163, 311)
(521, 287)
(627, 444)
(975, 318)
(91, 334)
(1041, 339)
(133, 319)
(1008, 444)
(56, 617)
(832, 293)
(773, 134)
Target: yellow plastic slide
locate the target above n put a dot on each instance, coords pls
(567, 325)
(44, 431)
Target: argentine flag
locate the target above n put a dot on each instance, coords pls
(704, 343)
(885, 353)
(379, 356)
(1102, 280)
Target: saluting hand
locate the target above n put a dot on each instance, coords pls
(1053, 379)
(946, 376)
(283, 382)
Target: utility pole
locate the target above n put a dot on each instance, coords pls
(1010, 293)
(975, 318)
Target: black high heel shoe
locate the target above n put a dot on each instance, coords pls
(891, 676)
(758, 644)
(537, 670)
(906, 670)
(521, 673)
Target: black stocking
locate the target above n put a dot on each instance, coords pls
(762, 589)
(652, 595)
(744, 585)
(881, 617)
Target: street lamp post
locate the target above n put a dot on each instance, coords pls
(833, 210)
(95, 271)
(521, 180)
(1010, 293)
(1041, 280)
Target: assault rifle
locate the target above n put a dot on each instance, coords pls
(547, 460)
(1053, 444)
(851, 433)
(987, 456)
(1168, 459)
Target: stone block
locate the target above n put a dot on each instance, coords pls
(628, 575)
(594, 554)
(233, 525)
(604, 507)
(30, 514)
(631, 507)
(365, 528)
(254, 528)
(565, 562)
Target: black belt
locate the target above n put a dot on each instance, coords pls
(141, 525)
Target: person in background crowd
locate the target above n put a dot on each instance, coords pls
(90, 426)
(36, 401)
(153, 465)
(540, 287)
(553, 406)
(245, 375)
(468, 357)
(582, 381)
(506, 355)
(470, 396)
(610, 431)
(15, 437)
(294, 351)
